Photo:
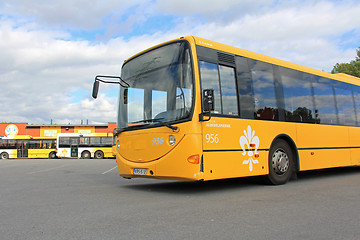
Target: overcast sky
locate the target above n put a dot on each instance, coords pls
(50, 51)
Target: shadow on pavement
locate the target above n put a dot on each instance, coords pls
(181, 187)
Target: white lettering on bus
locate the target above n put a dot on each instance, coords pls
(218, 125)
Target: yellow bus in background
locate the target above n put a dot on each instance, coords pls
(194, 109)
(27, 147)
(75, 145)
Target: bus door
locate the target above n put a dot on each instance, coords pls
(22, 148)
(74, 146)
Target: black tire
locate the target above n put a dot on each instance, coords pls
(99, 154)
(52, 155)
(4, 155)
(86, 155)
(281, 163)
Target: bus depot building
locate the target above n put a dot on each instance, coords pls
(51, 131)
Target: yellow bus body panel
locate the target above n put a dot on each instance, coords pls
(354, 140)
(147, 146)
(324, 146)
(154, 152)
(40, 153)
(227, 159)
(172, 165)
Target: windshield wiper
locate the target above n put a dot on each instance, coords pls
(158, 120)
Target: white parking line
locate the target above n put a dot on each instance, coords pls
(109, 170)
(46, 170)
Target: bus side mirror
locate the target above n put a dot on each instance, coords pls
(208, 100)
(95, 89)
(208, 104)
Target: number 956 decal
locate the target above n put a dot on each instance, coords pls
(212, 138)
(157, 141)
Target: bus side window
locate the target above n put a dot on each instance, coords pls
(346, 113)
(264, 91)
(298, 99)
(209, 75)
(325, 101)
(228, 90)
(356, 94)
(245, 88)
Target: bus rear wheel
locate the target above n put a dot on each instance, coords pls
(99, 154)
(52, 155)
(281, 163)
(4, 155)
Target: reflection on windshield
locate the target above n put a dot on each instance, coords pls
(161, 86)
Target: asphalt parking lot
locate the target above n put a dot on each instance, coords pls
(87, 199)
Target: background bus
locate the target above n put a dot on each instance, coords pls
(194, 109)
(27, 147)
(74, 145)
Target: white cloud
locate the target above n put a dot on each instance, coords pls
(70, 14)
(39, 72)
(305, 34)
(212, 9)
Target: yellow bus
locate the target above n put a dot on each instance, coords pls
(27, 147)
(75, 145)
(194, 109)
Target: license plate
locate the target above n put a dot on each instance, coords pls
(140, 171)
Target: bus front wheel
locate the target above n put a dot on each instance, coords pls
(4, 155)
(99, 154)
(281, 163)
(86, 154)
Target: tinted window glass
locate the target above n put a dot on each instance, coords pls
(49, 144)
(264, 90)
(64, 142)
(136, 101)
(345, 104)
(356, 91)
(159, 101)
(107, 141)
(74, 140)
(228, 90)
(34, 144)
(297, 96)
(209, 75)
(245, 84)
(324, 101)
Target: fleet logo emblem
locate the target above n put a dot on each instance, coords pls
(252, 142)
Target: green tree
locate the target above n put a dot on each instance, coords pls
(352, 68)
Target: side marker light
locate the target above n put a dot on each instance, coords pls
(194, 159)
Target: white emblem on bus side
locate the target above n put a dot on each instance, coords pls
(251, 141)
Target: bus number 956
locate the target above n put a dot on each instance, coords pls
(212, 138)
(158, 141)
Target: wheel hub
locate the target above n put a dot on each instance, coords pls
(280, 161)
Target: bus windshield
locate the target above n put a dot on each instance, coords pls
(160, 87)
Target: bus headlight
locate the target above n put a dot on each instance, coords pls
(172, 140)
(118, 144)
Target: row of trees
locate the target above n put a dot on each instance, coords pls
(352, 68)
